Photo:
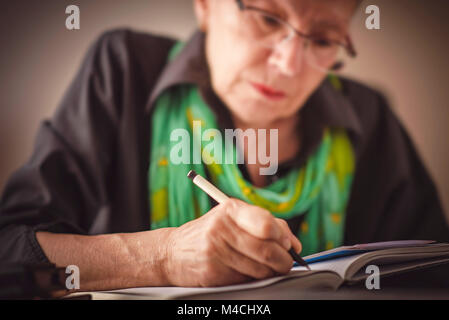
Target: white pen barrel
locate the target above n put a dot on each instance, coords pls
(210, 189)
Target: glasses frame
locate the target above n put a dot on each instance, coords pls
(348, 47)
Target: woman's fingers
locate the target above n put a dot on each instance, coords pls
(261, 223)
(295, 243)
(242, 264)
(256, 221)
(265, 252)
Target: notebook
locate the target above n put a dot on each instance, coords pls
(329, 270)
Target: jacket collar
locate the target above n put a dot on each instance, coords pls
(189, 67)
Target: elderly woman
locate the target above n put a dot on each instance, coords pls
(102, 192)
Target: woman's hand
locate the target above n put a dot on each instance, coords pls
(233, 243)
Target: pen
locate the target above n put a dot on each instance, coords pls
(220, 197)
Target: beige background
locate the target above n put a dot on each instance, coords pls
(406, 59)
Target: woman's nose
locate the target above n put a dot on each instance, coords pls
(288, 56)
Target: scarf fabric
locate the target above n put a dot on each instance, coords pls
(321, 188)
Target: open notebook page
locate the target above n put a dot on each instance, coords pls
(386, 256)
(174, 292)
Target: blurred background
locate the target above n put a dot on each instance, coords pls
(406, 60)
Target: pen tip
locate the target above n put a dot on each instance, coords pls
(192, 174)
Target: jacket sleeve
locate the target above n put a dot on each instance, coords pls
(62, 188)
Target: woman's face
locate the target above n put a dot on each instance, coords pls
(263, 85)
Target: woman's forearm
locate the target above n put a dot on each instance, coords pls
(111, 261)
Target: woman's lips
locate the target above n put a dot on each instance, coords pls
(268, 92)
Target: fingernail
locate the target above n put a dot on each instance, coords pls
(287, 243)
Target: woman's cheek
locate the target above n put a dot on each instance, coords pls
(228, 75)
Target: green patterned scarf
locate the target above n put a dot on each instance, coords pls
(321, 187)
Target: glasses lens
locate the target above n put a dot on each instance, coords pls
(263, 28)
(321, 52)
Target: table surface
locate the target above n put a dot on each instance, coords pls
(344, 293)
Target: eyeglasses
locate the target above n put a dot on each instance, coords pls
(320, 51)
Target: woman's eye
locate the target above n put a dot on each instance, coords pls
(270, 21)
(322, 43)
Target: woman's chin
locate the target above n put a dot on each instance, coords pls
(256, 118)
(258, 113)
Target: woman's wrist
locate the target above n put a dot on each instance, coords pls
(148, 255)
